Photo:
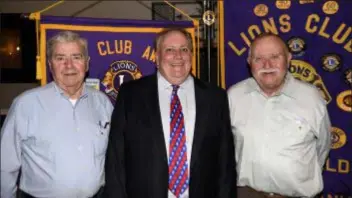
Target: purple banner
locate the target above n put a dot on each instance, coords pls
(119, 50)
(319, 35)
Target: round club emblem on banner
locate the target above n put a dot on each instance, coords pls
(331, 62)
(209, 17)
(330, 7)
(261, 10)
(297, 46)
(348, 76)
(338, 138)
(119, 72)
(344, 100)
(283, 4)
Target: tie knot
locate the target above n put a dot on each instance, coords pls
(175, 88)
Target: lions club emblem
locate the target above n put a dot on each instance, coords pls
(119, 72)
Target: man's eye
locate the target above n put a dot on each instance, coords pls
(77, 57)
(168, 49)
(275, 57)
(258, 59)
(59, 58)
(185, 50)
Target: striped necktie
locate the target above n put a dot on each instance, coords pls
(178, 167)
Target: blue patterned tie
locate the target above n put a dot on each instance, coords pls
(178, 167)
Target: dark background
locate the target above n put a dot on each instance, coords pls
(19, 67)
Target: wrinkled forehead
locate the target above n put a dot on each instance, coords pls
(68, 47)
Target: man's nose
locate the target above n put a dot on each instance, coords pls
(178, 54)
(68, 62)
(266, 63)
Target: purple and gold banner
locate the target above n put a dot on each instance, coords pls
(319, 35)
(119, 50)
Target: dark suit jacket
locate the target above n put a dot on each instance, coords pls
(136, 164)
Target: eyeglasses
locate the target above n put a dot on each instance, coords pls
(273, 58)
(75, 58)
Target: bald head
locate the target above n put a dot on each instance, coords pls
(268, 35)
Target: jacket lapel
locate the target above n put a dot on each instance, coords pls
(153, 111)
(199, 126)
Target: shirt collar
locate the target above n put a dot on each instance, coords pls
(61, 92)
(288, 88)
(167, 85)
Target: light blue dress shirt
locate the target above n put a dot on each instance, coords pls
(59, 147)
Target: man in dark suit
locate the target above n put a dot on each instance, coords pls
(170, 133)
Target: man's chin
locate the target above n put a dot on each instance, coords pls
(177, 79)
(270, 83)
(72, 84)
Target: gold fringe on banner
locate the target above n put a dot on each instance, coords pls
(221, 46)
(36, 16)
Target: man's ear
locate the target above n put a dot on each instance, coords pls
(87, 64)
(157, 59)
(288, 59)
(50, 66)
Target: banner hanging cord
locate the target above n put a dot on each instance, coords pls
(36, 16)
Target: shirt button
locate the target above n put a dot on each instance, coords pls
(77, 129)
(80, 148)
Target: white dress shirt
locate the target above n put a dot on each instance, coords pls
(187, 99)
(281, 141)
